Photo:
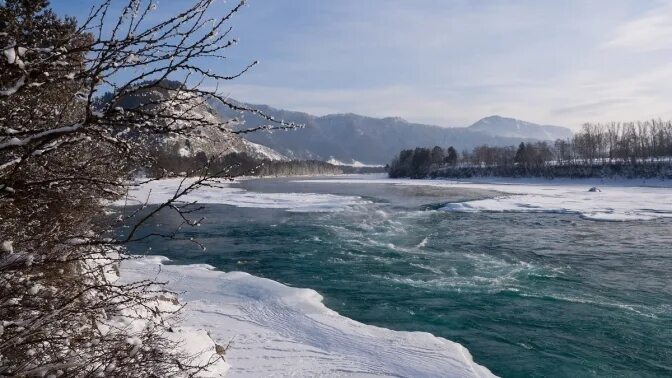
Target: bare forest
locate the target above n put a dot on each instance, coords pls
(629, 150)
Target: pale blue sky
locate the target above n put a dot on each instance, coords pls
(452, 62)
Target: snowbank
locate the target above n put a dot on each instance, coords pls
(618, 200)
(192, 342)
(615, 202)
(275, 330)
(159, 191)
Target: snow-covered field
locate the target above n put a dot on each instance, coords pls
(617, 200)
(278, 331)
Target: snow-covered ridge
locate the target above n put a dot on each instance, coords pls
(618, 200)
(276, 330)
(264, 152)
(159, 191)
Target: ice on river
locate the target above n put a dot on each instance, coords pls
(617, 200)
(275, 331)
(221, 192)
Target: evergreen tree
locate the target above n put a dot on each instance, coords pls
(421, 162)
(521, 154)
(438, 155)
(451, 158)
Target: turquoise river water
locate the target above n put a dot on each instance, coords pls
(530, 295)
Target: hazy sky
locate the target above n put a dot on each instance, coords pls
(451, 62)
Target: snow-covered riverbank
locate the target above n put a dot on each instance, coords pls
(221, 192)
(616, 200)
(276, 331)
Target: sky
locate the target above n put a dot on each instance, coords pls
(450, 62)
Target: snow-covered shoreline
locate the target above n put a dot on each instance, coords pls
(275, 330)
(616, 199)
(193, 345)
(221, 192)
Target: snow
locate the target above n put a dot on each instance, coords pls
(354, 163)
(265, 152)
(193, 342)
(76, 241)
(13, 58)
(275, 330)
(184, 152)
(619, 200)
(16, 142)
(7, 246)
(10, 54)
(160, 191)
(613, 203)
(34, 289)
(14, 88)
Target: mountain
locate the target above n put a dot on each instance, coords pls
(513, 128)
(211, 139)
(359, 139)
(208, 138)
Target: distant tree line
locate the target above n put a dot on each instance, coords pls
(167, 163)
(635, 149)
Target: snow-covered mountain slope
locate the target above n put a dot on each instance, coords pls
(514, 128)
(198, 127)
(263, 151)
(353, 163)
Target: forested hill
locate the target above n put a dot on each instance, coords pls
(347, 137)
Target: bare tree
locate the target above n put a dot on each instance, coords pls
(63, 150)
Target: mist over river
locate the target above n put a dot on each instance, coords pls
(528, 293)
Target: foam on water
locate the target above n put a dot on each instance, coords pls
(646, 311)
(423, 243)
(428, 268)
